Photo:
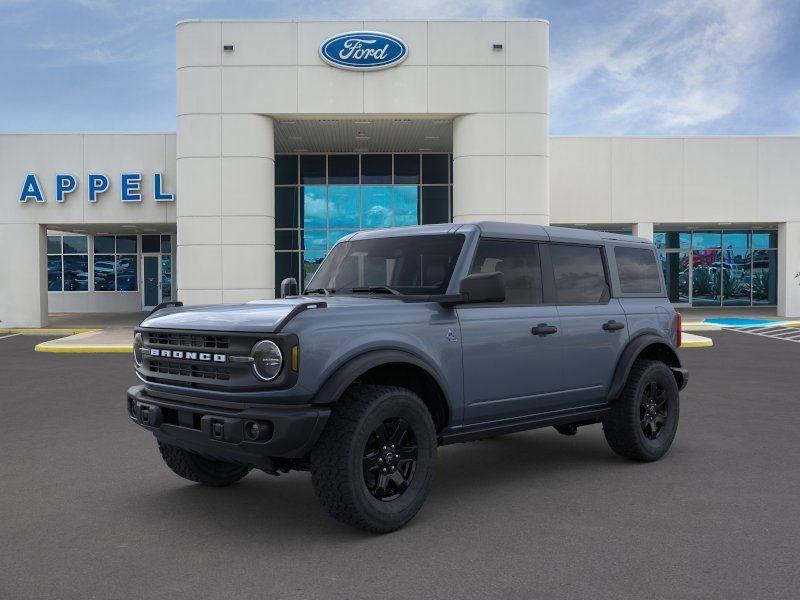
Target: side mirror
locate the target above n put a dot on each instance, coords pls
(289, 287)
(483, 287)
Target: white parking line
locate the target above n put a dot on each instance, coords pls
(2, 337)
(790, 334)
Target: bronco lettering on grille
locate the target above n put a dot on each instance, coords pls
(201, 356)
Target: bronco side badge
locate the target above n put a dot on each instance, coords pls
(451, 336)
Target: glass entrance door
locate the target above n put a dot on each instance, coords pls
(151, 288)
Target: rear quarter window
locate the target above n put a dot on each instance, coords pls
(638, 270)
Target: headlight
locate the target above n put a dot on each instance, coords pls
(267, 360)
(137, 349)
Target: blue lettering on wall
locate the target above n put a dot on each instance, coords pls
(131, 188)
(98, 183)
(363, 50)
(65, 184)
(158, 195)
(31, 190)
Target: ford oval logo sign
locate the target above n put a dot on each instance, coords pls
(363, 50)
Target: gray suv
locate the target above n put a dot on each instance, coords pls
(408, 339)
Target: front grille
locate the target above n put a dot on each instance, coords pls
(189, 340)
(186, 369)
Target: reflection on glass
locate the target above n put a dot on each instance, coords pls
(311, 262)
(126, 274)
(54, 280)
(76, 273)
(676, 275)
(286, 239)
(334, 235)
(314, 240)
(765, 239)
(736, 239)
(285, 169)
(435, 205)
(406, 168)
(736, 278)
(75, 244)
(376, 206)
(343, 206)
(285, 207)
(765, 277)
(104, 244)
(104, 272)
(707, 239)
(285, 266)
(312, 168)
(126, 244)
(54, 244)
(150, 243)
(314, 206)
(406, 205)
(166, 244)
(166, 277)
(343, 168)
(706, 277)
(672, 239)
(376, 168)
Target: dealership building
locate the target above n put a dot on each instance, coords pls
(291, 135)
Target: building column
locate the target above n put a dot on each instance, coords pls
(788, 266)
(226, 222)
(643, 230)
(23, 301)
(501, 168)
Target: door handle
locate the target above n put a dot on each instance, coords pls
(544, 329)
(612, 325)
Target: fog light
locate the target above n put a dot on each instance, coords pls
(256, 431)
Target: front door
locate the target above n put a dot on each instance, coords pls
(511, 350)
(151, 288)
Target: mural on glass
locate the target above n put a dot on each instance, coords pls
(321, 198)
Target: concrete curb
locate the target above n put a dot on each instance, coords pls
(46, 331)
(64, 349)
(689, 340)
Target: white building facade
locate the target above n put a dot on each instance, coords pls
(291, 134)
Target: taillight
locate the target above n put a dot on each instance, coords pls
(679, 325)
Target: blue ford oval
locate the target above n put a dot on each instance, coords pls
(363, 50)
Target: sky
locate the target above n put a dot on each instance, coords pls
(669, 67)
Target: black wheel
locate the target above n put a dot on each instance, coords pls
(203, 470)
(643, 420)
(374, 462)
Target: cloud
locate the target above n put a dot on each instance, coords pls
(672, 69)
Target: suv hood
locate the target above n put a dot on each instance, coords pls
(261, 316)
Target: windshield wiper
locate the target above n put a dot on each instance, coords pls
(325, 291)
(376, 289)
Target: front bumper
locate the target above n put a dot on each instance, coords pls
(221, 432)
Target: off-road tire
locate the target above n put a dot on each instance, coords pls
(199, 469)
(337, 460)
(623, 425)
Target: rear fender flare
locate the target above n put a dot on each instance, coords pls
(633, 351)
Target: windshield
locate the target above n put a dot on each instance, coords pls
(408, 264)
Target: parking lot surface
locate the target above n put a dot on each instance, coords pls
(88, 510)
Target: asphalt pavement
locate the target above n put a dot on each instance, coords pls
(88, 510)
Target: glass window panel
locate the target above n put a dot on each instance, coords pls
(376, 206)
(676, 275)
(314, 206)
(76, 273)
(736, 277)
(406, 205)
(706, 277)
(150, 243)
(286, 265)
(166, 278)
(126, 244)
(736, 239)
(706, 239)
(315, 240)
(638, 271)
(343, 206)
(519, 264)
(286, 240)
(312, 168)
(435, 205)
(54, 244)
(765, 239)
(54, 279)
(126, 273)
(406, 168)
(376, 168)
(434, 168)
(103, 272)
(579, 274)
(286, 207)
(672, 239)
(343, 168)
(334, 235)
(104, 244)
(311, 262)
(75, 244)
(765, 277)
(166, 244)
(285, 169)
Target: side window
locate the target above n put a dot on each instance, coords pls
(579, 274)
(519, 264)
(638, 271)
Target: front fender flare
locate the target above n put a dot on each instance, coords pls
(633, 350)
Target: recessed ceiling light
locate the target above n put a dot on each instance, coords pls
(361, 149)
(301, 150)
(288, 122)
(432, 137)
(329, 121)
(402, 121)
(361, 136)
(295, 137)
(149, 230)
(363, 122)
(426, 149)
(728, 223)
(128, 226)
(441, 121)
(579, 224)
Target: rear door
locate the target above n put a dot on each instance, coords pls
(594, 327)
(511, 350)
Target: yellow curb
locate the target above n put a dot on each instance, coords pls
(46, 331)
(689, 340)
(61, 348)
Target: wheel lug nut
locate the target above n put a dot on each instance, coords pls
(384, 469)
